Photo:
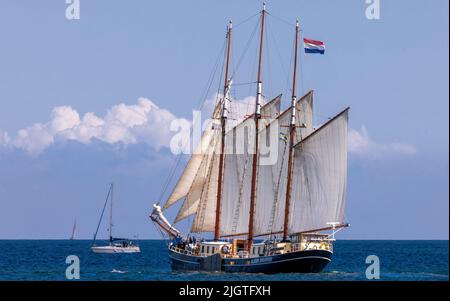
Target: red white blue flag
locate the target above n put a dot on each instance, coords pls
(313, 46)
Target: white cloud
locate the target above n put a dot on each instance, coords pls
(63, 118)
(127, 124)
(145, 122)
(4, 138)
(359, 143)
(34, 139)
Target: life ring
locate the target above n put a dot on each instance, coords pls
(224, 249)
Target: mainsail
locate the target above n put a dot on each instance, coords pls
(237, 178)
(271, 191)
(320, 177)
(204, 202)
(271, 176)
(197, 175)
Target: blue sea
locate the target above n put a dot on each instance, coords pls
(46, 260)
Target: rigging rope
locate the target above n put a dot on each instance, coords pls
(103, 211)
(281, 19)
(246, 20)
(200, 105)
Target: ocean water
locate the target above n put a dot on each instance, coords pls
(46, 260)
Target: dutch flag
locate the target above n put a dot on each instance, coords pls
(313, 46)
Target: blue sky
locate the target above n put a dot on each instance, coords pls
(122, 58)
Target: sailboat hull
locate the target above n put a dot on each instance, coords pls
(308, 261)
(115, 249)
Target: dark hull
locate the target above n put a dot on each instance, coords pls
(310, 261)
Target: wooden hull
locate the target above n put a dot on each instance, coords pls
(309, 261)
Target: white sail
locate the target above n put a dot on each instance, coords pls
(204, 220)
(190, 203)
(320, 177)
(73, 230)
(272, 179)
(270, 110)
(203, 148)
(202, 180)
(239, 146)
(304, 117)
(242, 111)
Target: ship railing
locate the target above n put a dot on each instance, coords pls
(187, 252)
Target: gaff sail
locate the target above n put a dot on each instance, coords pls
(320, 177)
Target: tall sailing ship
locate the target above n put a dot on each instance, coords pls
(269, 211)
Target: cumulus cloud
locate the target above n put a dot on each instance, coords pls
(128, 124)
(145, 122)
(359, 143)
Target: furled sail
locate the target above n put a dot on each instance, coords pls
(186, 180)
(272, 177)
(320, 177)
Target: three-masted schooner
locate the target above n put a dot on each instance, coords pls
(229, 187)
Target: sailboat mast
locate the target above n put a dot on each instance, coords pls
(256, 117)
(222, 147)
(291, 139)
(111, 213)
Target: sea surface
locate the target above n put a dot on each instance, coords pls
(46, 260)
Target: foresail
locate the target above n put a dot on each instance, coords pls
(192, 199)
(187, 178)
(320, 177)
(204, 220)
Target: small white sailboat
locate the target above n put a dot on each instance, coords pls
(116, 245)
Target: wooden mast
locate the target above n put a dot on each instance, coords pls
(291, 140)
(223, 123)
(256, 117)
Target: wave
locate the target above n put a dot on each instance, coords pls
(118, 271)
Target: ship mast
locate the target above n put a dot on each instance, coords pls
(223, 123)
(111, 213)
(256, 117)
(291, 139)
